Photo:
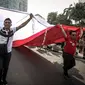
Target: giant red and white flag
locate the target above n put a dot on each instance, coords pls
(37, 32)
(50, 35)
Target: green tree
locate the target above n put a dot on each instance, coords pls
(74, 13)
(62, 19)
(52, 17)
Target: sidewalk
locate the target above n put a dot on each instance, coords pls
(49, 55)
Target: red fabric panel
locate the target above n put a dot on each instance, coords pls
(54, 35)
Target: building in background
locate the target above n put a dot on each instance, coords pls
(82, 1)
(20, 5)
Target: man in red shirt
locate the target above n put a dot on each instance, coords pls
(70, 49)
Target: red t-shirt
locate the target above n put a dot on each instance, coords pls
(70, 46)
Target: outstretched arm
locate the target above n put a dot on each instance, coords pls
(63, 31)
(81, 29)
(24, 23)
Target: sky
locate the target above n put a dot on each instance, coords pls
(43, 7)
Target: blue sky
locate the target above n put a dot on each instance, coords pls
(43, 7)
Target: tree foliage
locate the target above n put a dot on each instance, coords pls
(74, 13)
(52, 17)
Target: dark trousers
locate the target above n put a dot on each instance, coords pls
(69, 62)
(4, 64)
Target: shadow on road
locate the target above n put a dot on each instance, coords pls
(76, 77)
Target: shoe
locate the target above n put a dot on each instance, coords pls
(65, 73)
(66, 76)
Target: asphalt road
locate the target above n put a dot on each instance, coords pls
(28, 68)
